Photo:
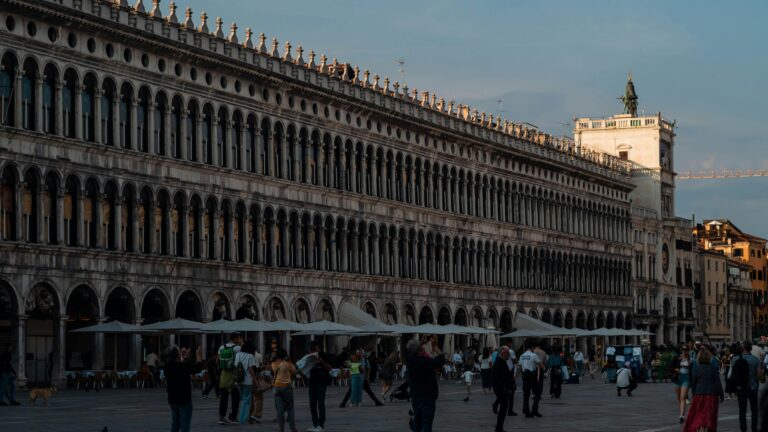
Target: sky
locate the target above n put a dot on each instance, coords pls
(702, 63)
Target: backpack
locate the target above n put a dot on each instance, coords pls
(739, 376)
(239, 373)
(227, 358)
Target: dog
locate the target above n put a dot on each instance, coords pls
(44, 393)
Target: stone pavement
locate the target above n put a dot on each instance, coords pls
(589, 407)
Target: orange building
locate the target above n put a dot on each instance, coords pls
(722, 235)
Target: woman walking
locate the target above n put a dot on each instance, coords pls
(683, 381)
(357, 374)
(485, 370)
(284, 371)
(707, 395)
(388, 370)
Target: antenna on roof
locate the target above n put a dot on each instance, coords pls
(401, 62)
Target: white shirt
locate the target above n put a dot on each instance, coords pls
(622, 377)
(529, 361)
(579, 356)
(152, 359)
(467, 376)
(485, 363)
(248, 361)
(610, 351)
(457, 358)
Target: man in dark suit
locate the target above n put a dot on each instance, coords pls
(502, 386)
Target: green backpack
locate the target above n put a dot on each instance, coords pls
(227, 358)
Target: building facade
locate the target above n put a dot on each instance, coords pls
(155, 168)
(739, 318)
(725, 237)
(713, 297)
(664, 255)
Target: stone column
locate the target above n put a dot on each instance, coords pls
(133, 133)
(165, 144)
(17, 92)
(438, 204)
(374, 266)
(117, 227)
(343, 261)
(396, 256)
(353, 171)
(354, 265)
(38, 197)
(38, 126)
(198, 144)
(365, 263)
(59, 351)
(258, 147)
(183, 138)
(243, 241)
(450, 275)
(21, 350)
(98, 347)
(136, 357)
(385, 263)
(214, 141)
(296, 144)
(151, 128)
(241, 150)
(116, 120)
(305, 144)
(228, 139)
(58, 114)
(78, 112)
(374, 174)
(213, 234)
(320, 167)
(80, 223)
(97, 92)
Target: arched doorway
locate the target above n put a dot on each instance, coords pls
(154, 308)
(505, 325)
(81, 349)
(119, 307)
(44, 359)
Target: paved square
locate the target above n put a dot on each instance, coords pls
(588, 407)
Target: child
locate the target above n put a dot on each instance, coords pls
(467, 377)
(356, 372)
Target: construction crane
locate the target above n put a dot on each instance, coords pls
(721, 174)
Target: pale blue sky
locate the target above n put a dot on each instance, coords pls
(701, 63)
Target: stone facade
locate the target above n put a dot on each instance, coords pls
(153, 169)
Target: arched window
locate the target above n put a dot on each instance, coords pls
(146, 221)
(91, 214)
(159, 127)
(251, 138)
(126, 100)
(193, 119)
(108, 113)
(68, 92)
(71, 211)
(9, 182)
(236, 139)
(51, 212)
(28, 90)
(208, 136)
(175, 126)
(8, 70)
(222, 137)
(278, 148)
(128, 219)
(88, 114)
(266, 148)
(50, 77)
(142, 120)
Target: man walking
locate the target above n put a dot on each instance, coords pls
(423, 384)
(502, 380)
(747, 392)
(578, 357)
(555, 366)
(319, 379)
(7, 377)
(227, 353)
(531, 366)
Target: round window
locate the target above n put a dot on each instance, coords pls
(31, 28)
(110, 50)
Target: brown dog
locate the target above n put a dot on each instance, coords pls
(43, 393)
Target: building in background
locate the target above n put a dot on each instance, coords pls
(712, 297)
(740, 314)
(665, 260)
(724, 236)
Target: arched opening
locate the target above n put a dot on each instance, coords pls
(31, 207)
(221, 309)
(426, 316)
(247, 308)
(29, 79)
(42, 309)
(119, 307)
(71, 210)
(82, 311)
(8, 71)
(505, 325)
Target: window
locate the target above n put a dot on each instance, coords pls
(752, 253)
(738, 252)
(624, 155)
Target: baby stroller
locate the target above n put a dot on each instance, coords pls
(400, 393)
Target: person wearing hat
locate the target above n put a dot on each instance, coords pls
(625, 380)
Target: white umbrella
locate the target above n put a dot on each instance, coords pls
(113, 327)
(327, 327)
(176, 325)
(241, 325)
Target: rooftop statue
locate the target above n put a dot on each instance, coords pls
(630, 98)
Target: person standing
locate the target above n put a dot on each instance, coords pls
(486, 362)
(531, 367)
(683, 382)
(578, 357)
(366, 385)
(423, 384)
(555, 366)
(284, 370)
(178, 370)
(227, 353)
(707, 394)
(501, 386)
(212, 376)
(7, 377)
(319, 380)
(388, 370)
(592, 357)
(746, 384)
(356, 372)
(246, 360)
